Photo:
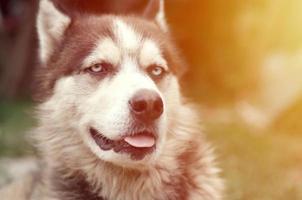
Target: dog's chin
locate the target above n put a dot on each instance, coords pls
(128, 150)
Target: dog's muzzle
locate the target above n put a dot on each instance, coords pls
(146, 107)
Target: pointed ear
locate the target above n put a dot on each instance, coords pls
(51, 25)
(155, 11)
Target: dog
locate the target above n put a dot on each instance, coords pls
(112, 122)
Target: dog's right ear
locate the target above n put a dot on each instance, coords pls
(51, 25)
(155, 10)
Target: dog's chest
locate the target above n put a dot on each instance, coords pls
(73, 188)
(149, 186)
(77, 188)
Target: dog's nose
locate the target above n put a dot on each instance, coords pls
(146, 105)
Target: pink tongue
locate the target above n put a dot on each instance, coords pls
(140, 141)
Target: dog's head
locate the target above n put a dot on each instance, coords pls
(110, 80)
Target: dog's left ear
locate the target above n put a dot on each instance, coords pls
(155, 11)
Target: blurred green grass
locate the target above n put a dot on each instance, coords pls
(15, 121)
(256, 166)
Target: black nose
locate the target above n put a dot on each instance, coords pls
(146, 105)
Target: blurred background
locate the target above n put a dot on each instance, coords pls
(245, 72)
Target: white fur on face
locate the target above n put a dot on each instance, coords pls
(106, 50)
(151, 54)
(128, 39)
(51, 24)
(107, 108)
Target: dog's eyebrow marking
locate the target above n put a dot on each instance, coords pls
(105, 50)
(151, 54)
(127, 38)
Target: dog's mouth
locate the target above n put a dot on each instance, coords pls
(137, 145)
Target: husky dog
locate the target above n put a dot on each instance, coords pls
(113, 124)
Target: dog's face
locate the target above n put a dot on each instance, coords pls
(114, 79)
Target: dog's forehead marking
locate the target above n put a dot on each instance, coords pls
(105, 50)
(126, 42)
(126, 36)
(151, 54)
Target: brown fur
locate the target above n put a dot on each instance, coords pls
(185, 169)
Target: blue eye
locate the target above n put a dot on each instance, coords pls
(156, 71)
(100, 68)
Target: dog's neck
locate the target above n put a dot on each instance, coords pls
(117, 183)
(73, 186)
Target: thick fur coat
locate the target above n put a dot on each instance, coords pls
(91, 66)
